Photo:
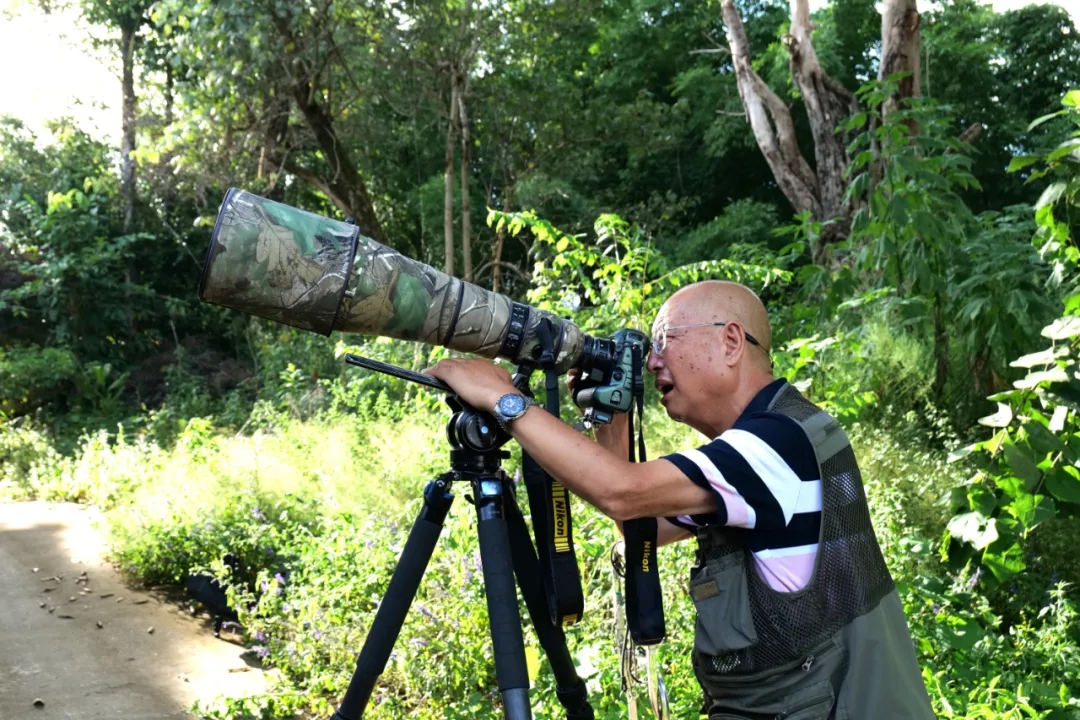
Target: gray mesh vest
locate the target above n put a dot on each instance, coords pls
(850, 576)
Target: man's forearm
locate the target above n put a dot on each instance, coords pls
(588, 469)
(620, 489)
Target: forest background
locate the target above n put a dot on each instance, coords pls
(900, 182)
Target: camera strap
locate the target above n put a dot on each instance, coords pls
(644, 597)
(549, 503)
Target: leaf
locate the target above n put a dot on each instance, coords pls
(1057, 422)
(981, 500)
(1071, 99)
(1020, 462)
(1043, 440)
(962, 452)
(1040, 120)
(1022, 161)
(1030, 510)
(1051, 194)
(973, 529)
(1005, 564)
(1056, 375)
(962, 633)
(1001, 418)
(1043, 357)
(1064, 483)
(1062, 328)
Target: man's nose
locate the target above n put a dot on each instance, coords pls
(654, 362)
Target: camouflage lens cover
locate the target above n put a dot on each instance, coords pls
(318, 274)
(278, 262)
(395, 296)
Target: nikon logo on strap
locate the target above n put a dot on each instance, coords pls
(646, 552)
(559, 500)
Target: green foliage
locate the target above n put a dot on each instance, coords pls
(1056, 213)
(33, 376)
(1027, 474)
(620, 280)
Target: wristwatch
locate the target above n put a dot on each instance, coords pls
(510, 407)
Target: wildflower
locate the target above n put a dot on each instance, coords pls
(261, 651)
(260, 636)
(279, 578)
(258, 514)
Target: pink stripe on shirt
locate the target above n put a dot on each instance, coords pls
(787, 570)
(739, 512)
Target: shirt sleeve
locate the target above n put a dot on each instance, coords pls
(755, 471)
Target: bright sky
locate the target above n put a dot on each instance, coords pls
(47, 71)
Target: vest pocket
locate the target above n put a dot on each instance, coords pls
(722, 599)
(813, 708)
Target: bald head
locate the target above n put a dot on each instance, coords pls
(722, 301)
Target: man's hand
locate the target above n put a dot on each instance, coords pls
(479, 382)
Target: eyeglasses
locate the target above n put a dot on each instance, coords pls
(660, 342)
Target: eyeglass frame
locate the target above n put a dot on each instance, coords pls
(660, 350)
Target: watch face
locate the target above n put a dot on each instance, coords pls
(511, 405)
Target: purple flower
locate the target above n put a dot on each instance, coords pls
(261, 651)
(279, 578)
(418, 642)
(424, 611)
(316, 635)
(257, 514)
(260, 636)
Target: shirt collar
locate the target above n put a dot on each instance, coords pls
(760, 402)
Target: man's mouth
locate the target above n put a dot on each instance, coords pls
(665, 388)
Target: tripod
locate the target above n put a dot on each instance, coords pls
(506, 550)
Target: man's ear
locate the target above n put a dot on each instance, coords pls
(734, 345)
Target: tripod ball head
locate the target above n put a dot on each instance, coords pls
(473, 430)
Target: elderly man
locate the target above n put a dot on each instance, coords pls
(797, 614)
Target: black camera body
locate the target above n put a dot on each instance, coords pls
(611, 374)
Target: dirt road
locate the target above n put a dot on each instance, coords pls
(89, 652)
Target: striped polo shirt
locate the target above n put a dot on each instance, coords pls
(764, 475)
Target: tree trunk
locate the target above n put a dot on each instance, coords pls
(127, 142)
(128, 29)
(819, 191)
(345, 188)
(448, 178)
(900, 48)
(466, 168)
(770, 121)
(828, 104)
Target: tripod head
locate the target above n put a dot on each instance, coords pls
(475, 438)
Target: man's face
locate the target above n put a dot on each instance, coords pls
(689, 369)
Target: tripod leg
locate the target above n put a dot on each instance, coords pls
(399, 596)
(508, 644)
(569, 687)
